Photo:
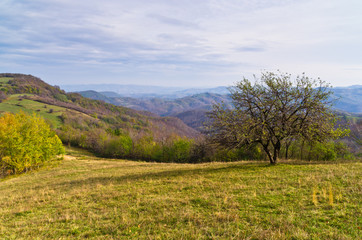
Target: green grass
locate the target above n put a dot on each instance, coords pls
(13, 104)
(5, 79)
(89, 197)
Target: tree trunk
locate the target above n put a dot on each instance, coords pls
(286, 150)
(265, 147)
(301, 151)
(309, 152)
(277, 147)
(273, 158)
(288, 142)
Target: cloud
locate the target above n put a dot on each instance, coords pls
(172, 21)
(206, 42)
(250, 49)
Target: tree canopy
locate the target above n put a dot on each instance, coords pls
(26, 141)
(273, 109)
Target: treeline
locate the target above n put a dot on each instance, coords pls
(113, 141)
(117, 132)
(26, 142)
(124, 138)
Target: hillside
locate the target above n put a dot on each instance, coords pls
(195, 118)
(162, 107)
(88, 197)
(192, 109)
(42, 95)
(348, 99)
(101, 127)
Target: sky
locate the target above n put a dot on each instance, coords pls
(187, 43)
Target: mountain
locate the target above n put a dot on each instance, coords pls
(102, 96)
(78, 119)
(143, 91)
(348, 99)
(165, 107)
(195, 118)
(191, 109)
(159, 99)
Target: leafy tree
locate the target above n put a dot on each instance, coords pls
(26, 141)
(118, 146)
(273, 109)
(178, 150)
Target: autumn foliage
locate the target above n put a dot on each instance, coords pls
(26, 142)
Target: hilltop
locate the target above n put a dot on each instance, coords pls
(35, 90)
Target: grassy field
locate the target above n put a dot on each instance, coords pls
(5, 80)
(88, 197)
(14, 104)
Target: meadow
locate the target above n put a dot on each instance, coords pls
(83, 196)
(15, 103)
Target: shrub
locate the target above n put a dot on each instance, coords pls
(179, 150)
(119, 146)
(26, 142)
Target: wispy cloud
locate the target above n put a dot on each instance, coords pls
(172, 21)
(193, 42)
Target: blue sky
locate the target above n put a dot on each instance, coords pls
(180, 42)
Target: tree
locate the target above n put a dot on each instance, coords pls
(273, 109)
(26, 141)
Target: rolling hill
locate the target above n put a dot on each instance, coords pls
(101, 127)
(348, 99)
(170, 101)
(192, 109)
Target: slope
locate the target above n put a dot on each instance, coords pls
(36, 95)
(87, 197)
(103, 128)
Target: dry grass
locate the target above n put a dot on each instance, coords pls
(88, 197)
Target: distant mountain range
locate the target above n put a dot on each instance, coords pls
(143, 91)
(348, 99)
(193, 106)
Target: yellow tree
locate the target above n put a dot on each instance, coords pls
(26, 141)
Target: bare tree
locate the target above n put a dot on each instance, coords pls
(273, 109)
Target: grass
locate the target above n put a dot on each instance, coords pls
(89, 197)
(5, 80)
(51, 113)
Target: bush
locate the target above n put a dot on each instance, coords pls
(119, 146)
(26, 142)
(179, 150)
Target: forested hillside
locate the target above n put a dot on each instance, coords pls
(104, 128)
(116, 131)
(192, 110)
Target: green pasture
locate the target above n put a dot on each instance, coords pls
(15, 103)
(88, 197)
